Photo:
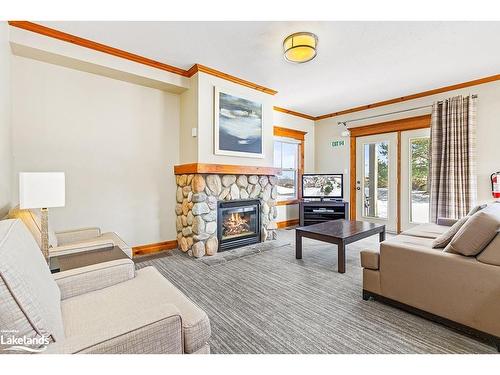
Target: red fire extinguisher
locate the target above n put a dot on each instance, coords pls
(495, 185)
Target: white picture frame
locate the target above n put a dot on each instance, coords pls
(243, 136)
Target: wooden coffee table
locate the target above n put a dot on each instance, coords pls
(338, 232)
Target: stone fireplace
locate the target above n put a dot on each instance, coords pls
(202, 201)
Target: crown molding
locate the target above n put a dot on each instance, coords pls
(422, 94)
(82, 42)
(294, 113)
(86, 43)
(69, 38)
(216, 73)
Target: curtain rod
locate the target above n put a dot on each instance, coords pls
(344, 123)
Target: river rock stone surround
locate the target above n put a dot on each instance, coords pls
(196, 209)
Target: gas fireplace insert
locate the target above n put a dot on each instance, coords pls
(238, 223)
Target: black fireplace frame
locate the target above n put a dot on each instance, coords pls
(240, 241)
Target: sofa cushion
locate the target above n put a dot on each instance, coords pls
(426, 230)
(491, 253)
(26, 279)
(445, 238)
(419, 242)
(31, 219)
(88, 313)
(475, 234)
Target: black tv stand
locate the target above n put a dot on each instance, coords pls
(322, 200)
(314, 212)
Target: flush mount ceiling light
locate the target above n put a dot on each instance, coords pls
(300, 47)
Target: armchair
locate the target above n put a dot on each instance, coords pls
(103, 308)
(71, 241)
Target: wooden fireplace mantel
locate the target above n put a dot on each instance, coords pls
(194, 168)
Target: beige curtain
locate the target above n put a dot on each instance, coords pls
(453, 157)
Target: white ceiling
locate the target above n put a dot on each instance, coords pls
(357, 63)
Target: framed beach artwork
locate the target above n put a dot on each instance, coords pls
(238, 125)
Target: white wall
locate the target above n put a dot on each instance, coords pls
(189, 120)
(5, 121)
(329, 159)
(206, 84)
(284, 120)
(116, 141)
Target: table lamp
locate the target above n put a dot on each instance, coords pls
(42, 190)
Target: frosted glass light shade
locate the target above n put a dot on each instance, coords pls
(300, 47)
(41, 189)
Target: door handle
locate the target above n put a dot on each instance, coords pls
(358, 188)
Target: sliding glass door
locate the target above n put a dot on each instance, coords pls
(415, 189)
(392, 171)
(376, 179)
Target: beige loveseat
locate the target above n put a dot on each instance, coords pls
(105, 308)
(460, 291)
(71, 241)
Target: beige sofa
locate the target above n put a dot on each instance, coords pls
(460, 291)
(105, 308)
(68, 242)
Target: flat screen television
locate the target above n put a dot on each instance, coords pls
(323, 186)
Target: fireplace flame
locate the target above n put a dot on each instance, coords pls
(236, 224)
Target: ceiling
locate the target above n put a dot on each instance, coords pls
(358, 63)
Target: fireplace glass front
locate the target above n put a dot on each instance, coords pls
(238, 223)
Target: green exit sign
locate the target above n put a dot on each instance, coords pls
(338, 143)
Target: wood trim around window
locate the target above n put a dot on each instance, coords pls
(411, 123)
(299, 136)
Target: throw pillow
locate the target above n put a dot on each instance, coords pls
(445, 238)
(475, 209)
(491, 253)
(475, 234)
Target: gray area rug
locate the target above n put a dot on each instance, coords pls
(228, 255)
(271, 302)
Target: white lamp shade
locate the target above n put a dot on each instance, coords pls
(41, 189)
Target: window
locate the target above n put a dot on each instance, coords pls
(286, 159)
(375, 179)
(289, 160)
(419, 172)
